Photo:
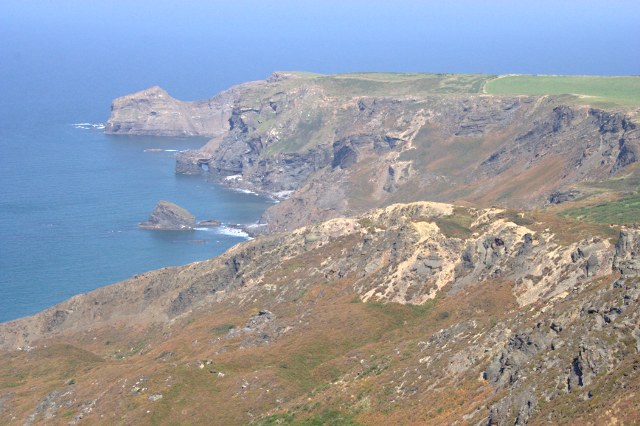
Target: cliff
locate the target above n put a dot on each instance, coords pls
(329, 146)
(416, 313)
(154, 111)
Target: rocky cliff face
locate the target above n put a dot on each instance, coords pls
(328, 149)
(405, 253)
(415, 313)
(155, 112)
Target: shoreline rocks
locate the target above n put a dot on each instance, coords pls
(209, 223)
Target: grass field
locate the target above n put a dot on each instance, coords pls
(612, 201)
(392, 84)
(598, 91)
(602, 91)
(624, 211)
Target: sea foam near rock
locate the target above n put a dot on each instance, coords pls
(232, 232)
(89, 126)
(244, 191)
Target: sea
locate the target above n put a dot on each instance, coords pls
(71, 197)
(71, 201)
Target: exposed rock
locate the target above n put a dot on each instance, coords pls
(562, 197)
(167, 216)
(627, 257)
(211, 223)
(419, 262)
(52, 404)
(521, 324)
(154, 111)
(627, 154)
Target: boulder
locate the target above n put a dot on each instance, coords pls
(167, 216)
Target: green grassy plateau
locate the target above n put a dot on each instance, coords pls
(598, 91)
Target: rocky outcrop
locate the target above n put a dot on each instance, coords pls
(154, 112)
(167, 216)
(210, 223)
(627, 256)
(562, 197)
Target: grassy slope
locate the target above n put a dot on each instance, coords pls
(339, 342)
(396, 84)
(614, 201)
(603, 91)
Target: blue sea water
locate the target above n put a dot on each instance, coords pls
(70, 204)
(70, 198)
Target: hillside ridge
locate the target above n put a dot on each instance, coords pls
(510, 309)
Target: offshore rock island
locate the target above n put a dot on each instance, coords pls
(443, 252)
(168, 216)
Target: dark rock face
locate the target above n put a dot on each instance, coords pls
(627, 257)
(627, 154)
(610, 122)
(559, 197)
(192, 163)
(167, 216)
(344, 155)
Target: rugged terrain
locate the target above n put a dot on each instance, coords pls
(441, 255)
(420, 313)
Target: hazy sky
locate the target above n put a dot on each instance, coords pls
(189, 44)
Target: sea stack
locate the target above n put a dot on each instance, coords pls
(168, 216)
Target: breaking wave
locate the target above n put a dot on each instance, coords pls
(89, 126)
(232, 232)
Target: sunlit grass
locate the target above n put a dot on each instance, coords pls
(595, 90)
